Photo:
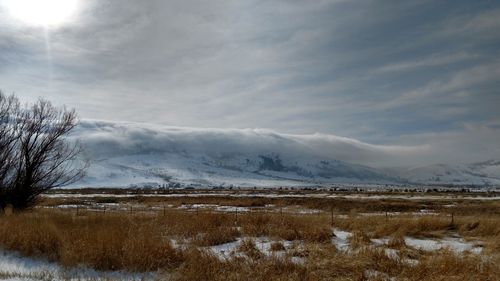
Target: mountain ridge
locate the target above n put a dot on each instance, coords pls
(133, 154)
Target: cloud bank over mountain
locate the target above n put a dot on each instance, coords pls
(118, 138)
(131, 153)
(114, 139)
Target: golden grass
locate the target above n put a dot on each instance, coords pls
(422, 226)
(141, 241)
(202, 266)
(337, 204)
(450, 266)
(277, 246)
(396, 241)
(249, 248)
(359, 239)
(105, 242)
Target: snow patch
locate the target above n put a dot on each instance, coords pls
(341, 240)
(457, 245)
(16, 267)
(263, 244)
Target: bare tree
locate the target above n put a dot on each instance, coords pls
(41, 157)
(9, 108)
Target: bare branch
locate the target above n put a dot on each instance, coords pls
(35, 154)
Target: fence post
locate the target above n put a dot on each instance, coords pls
(331, 221)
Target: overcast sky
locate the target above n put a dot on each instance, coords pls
(382, 72)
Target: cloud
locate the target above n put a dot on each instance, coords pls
(451, 86)
(378, 72)
(104, 139)
(434, 60)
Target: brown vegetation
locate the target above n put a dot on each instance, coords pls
(142, 241)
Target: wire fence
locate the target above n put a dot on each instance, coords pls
(82, 210)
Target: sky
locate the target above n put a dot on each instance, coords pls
(382, 72)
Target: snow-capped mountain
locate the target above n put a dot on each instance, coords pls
(132, 154)
(482, 173)
(129, 154)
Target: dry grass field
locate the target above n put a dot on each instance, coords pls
(221, 237)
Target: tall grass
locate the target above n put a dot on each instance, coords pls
(105, 242)
(142, 242)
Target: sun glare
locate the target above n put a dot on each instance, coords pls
(44, 13)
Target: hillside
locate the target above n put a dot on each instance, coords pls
(132, 154)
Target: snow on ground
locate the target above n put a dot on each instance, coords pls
(377, 275)
(276, 195)
(413, 197)
(457, 245)
(215, 207)
(422, 212)
(187, 207)
(263, 244)
(226, 250)
(341, 239)
(16, 268)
